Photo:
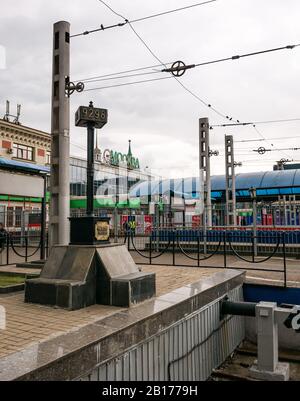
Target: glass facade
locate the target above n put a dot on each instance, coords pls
(108, 180)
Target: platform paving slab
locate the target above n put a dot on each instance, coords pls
(38, 336)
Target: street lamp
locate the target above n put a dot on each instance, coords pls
(253, 194)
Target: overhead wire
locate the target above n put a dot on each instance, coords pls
(237, 57)
(127, 84)
(126, 21)
(115, 75)
(109, 76)
(267, 141)
(119, 73)
(270, 139)
(255, 123)
(158, 59)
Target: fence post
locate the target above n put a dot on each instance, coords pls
(253, 248)
(198, 250)
(284, 260)
(47, 245)
(224, 253)
(7, 248)
(174, 233)
(151, 248)
(26, 248)
(129, 237)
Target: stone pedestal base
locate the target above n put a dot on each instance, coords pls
(75, 277)
(281, 373)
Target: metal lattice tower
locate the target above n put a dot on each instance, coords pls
(230, 181)
(205, 166)
(60, 130)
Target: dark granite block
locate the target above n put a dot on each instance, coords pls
(40, 292)
(83, 295)
(143, 288)
(83, 230)
(63, 295)
(120, 293)
(103, 292)
(103, 287)
(132, 289)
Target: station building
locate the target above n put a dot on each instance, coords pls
(124, 191)
(277, 197)
(22, 150)
(25, 155)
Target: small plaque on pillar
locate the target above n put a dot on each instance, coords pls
(102, 231)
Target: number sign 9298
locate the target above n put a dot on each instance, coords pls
(86, 115)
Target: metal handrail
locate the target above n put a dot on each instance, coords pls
(198, 259)
(150, 256)
(26, 256)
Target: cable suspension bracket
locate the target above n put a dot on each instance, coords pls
(71, 87)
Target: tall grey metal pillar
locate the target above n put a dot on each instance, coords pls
(60, 130)
(204, 158)
(43, 220)
(230, 181)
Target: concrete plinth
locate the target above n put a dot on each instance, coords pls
(75, 277)
(281, 373)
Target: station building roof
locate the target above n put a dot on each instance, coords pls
(22, 166)
(269, 183)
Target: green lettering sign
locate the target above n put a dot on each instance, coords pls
(119, 159)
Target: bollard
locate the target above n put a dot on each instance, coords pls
(267, 366)
(268, 314)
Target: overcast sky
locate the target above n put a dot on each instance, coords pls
(161, 118)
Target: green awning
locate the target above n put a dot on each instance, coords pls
(134, 203)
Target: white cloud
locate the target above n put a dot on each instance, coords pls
(2, 57)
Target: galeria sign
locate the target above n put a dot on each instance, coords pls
(114, 158)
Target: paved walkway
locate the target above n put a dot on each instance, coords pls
(14, 258)
(258, 276)
(256, 272)
(27, 324)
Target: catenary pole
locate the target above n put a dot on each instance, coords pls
(60, 130)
